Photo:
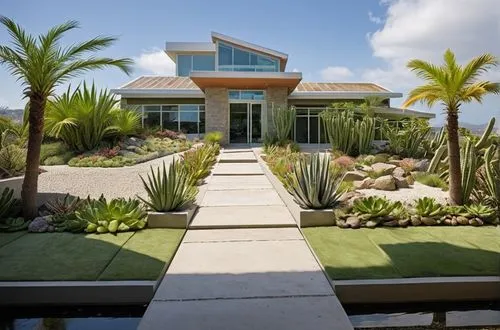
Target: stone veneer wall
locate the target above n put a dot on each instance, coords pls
(277, 96)
(217, 111)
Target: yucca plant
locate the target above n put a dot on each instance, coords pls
(375, 206)
(312, 184)
(169, 190)
(126, 122)
(117, 215)
(428, 207)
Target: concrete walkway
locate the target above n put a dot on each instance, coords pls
(249, 267)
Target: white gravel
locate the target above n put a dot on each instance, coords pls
(94, 181)
(408, 195)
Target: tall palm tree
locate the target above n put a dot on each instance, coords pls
(451, 85)
(42, 64)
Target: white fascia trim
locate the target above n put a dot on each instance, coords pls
(174, 48)
(240, 74)
(249, 45)
(158, 92)
(340, 95)
(403, 112)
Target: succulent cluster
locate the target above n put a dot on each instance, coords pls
(9, 211)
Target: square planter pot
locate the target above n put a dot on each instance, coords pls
(180, 219)
(14, 183)
(315, 218)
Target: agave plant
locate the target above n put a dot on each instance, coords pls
(199, 161)
(428, 207)
(312, 185)
(117, 215)
(480, 211)
(375, 206)
(67, 205)
(169, 190)
(12, 161)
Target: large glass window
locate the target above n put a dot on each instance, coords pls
(186, 118)
(236, 59)
(188, 63)
(308, 126)
(246, 95)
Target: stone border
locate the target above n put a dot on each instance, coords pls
(76, 293)
(303, 218)
(14, 183)
(423, 289)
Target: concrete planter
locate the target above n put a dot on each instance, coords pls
(180, 219)
(304, 218)
(14, 183)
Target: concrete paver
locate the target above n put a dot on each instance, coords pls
(228, 235)
(238, 169)
(241, 198)
(238, 157)
(296, 313)
(243, 270)
(242, 216)
(238, 182)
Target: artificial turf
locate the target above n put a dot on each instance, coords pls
(78, 257)
(406, 252)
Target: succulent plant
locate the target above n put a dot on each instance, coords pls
(375, 206)
(169, 190)
(311, 183)
(283, 119)
(198, 162)
(68, 204)
(428, 207)
(117, 215)
(480, 211)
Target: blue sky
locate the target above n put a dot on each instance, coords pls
(364, 40)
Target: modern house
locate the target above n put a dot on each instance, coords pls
(230, 85)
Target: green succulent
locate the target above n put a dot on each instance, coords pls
(428, 207)
(480, 211)
(68, 204)
(198, 162)
(375, 206)
(400, 212)
(169, 190)
(117, 215)
(454, 210)
(312, 184)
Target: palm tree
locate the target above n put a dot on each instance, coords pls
(451, 85)
(42, 64)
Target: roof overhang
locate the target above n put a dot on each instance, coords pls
(340, 95)
(246, 80)
(174, 48)
(283, 58)
(158, 92)
(398, 112)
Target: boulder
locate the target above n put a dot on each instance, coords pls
(353, 222)
(398, 172)
(428, 221)
(422, 165)
(367, 183)
(355, 176)
(476, 222)
(385, 182)
(401, 182)
(410, 179)
(384, 168)
(39, 224)
(392, 223)
(415, 220)
(404, 222)
(396, 162)
(462, 220)
(371, 224)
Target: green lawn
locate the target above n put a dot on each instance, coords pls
(406, 252)
(138, 255)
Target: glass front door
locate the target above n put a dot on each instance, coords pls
(245, 123)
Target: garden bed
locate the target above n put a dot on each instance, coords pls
(406, 253)
(141, 255)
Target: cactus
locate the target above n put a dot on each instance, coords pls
(366, 134)
(485, 138)
(436, 160)
(283, 120)
(469, 163)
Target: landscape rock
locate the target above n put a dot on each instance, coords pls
(398, 172)
(462, 220)
(404, 222)
(392, 223)
(422, 165)
(342, 224)
(385, 182)
(410, 179)
(415, 220)
(39, 225)
(371, 224)
(401, 182)
(126, 153)
(367, 183)
(476, 222)
(428, 221)
(454, 222)
(365, 168)
(384, 168)
(355, 176)
(395, 162)
(353, 222)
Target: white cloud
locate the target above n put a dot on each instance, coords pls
(374, 19)
(424, 29)
(156, 61)
(295, 70)
(336, 73)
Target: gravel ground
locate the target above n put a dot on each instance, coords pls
(94, 181)
(408, 195)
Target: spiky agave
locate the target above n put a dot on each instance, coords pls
(375, 206)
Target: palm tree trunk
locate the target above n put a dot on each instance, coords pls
(30, 183)
(454, 158)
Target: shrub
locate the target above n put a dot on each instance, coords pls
(431, 180)
(84, 118)
(12, 161)
(9, 211)
(166, 133)
(344, 162)
(407, 137)
(52, 149)
(407, 164)
(169, 191)
(59, 159)
(117, 215)
(108, 152)
(213, 137)
(100, 161)
(312, 185)
(198, 162)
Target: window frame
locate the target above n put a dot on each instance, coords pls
(178, 105)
